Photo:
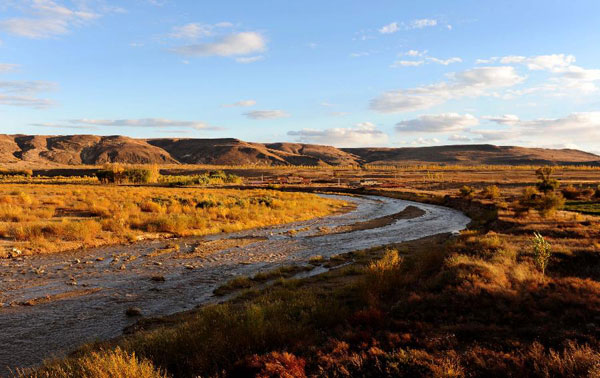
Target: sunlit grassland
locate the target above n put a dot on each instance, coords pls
(50, 218)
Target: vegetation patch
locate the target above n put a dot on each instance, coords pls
(50, 218)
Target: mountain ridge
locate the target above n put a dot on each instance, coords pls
(66, 150)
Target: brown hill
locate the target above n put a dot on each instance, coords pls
(475, 155)
(41, 150)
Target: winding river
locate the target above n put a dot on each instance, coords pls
(51, 304)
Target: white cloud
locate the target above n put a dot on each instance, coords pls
(143, 122)
(394, 27)
(24, 93)
(574, 129)
(266, 114)
(244, 43)
(506, 119)
(407, 63)
(470, 83)
(364, 134)
(242, 103)
(486, 61)
(445, 62)
(582, 125)
(389, 28)
(415, 53)
(459, 138)
(425, 141)
(46, 18)
(422, 23)
(438, 123)
(495, 135)
(553, 62)
(249, 59)
(197, 30)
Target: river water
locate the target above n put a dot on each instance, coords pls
(81, 296)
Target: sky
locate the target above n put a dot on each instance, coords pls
(347, 73)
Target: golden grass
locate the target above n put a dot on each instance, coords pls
(104, 364)
(50, 218)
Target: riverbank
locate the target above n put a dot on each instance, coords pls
(474, 305)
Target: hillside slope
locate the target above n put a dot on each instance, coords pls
(42, 150)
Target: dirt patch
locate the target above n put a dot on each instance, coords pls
(410, 212)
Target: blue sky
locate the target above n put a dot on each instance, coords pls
(345, 73)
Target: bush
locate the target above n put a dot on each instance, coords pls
(491, 192)
(273, 365)
(550, 202)
(546, 183)
(466, 191)
(571, 192)
(117, 174)
(546, 203)
(16, 172)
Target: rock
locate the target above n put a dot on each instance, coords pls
(123, 267)
(158, 278)
(76, 261)
(133, 311)
(99, 258)
(15, 252)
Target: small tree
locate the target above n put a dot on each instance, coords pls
(541, 252)
(546, 183)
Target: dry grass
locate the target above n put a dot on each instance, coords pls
(104, 364)
(473, 306)
(49, 218)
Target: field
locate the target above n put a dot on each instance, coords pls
(42, 218)
(493, 301)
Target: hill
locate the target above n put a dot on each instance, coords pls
(41, 150)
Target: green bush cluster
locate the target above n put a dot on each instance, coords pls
(210, 178)
(119, 175)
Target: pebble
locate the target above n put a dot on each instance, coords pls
(133, 311)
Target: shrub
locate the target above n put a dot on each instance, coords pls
(549, 203)
(271, 365)
(466, 191)
(206, 204)
(141, 175)
(529, 197)
(118, 174)
(571, 192)
(16, 172)
(491, 192)
(151, 207)
(546, 183)
(541, 252)
(104, 364)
